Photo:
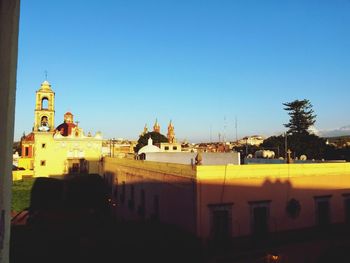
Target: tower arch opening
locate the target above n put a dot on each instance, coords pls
(44, 103)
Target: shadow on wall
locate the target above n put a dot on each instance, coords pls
(70, 220)
(74, 220)
(261, 217)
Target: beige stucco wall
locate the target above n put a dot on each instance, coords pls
(277, 183)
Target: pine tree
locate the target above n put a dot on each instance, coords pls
(301, 116)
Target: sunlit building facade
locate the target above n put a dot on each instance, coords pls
(50, 151)
(231, 201)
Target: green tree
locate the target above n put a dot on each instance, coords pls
(310, 145)
(156, 137)
(301, 116)
(299, 140)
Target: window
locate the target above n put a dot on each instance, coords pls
(43, 145)
(259, 217)
(174, 148)
(26, 151)
(122, 195)
(42, 163)
(322, 210)
(166, 148)
(220, 221)
(347, 207)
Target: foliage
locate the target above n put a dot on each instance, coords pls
(301, 116)
(310, 145)
(156, 137)
(275, 143)
(334, 153)
(21, 194)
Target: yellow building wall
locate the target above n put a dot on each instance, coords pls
(58, 151)
(278, 183)
(26, 163)
(19, 174)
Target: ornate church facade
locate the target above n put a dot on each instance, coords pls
(50, 151)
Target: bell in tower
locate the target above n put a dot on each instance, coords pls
(44, 114)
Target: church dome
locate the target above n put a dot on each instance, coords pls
(65, 128)
(149, 148)
(68, 117)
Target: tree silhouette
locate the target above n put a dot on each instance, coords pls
(156, 137)
(301, 116)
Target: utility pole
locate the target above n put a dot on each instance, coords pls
(285, 146)
(110, 148)
(211, 139)
(236, 127)
(113, 142)
(224, 138)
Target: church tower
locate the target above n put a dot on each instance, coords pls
(44, 114)
(156, 127)
(145, 130)
(171, 133)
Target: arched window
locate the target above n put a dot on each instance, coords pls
(45, 103)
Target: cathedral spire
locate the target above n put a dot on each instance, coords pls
(156, 126)
(145, 130)
(171, 133)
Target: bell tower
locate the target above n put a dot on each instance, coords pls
(171, 133)
(44, 114)
(156, 127)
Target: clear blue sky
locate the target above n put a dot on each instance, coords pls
(117, 65)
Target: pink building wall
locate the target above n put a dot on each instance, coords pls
(172, 184)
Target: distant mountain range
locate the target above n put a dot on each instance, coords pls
(342, 131)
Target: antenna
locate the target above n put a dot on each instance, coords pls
(211, 133)
(224, 135)
(236, 127)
